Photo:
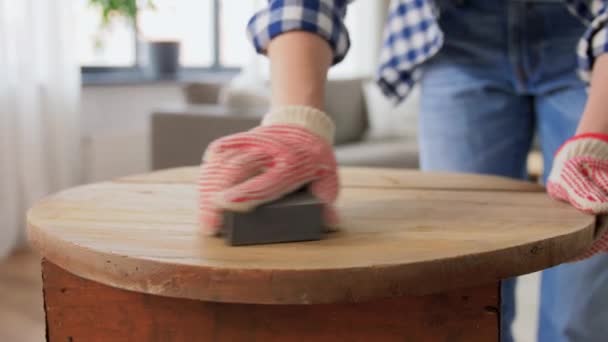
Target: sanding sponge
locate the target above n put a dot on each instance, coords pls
(295, 217)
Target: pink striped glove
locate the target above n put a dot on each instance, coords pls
(292, 148)
(580, 176)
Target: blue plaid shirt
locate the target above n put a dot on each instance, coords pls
(411, 34)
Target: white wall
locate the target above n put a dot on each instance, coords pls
(116, 126)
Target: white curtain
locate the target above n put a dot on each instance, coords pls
(39, 108)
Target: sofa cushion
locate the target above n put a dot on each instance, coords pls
(202, 93)
(180, 138)
(387, 120)
(345, 103)
(397, 153)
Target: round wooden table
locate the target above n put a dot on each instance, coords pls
(419, 258)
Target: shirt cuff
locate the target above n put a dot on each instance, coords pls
(321, 17)
(593, 43)
(309, 118)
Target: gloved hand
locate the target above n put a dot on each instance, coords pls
(580, 176)
(292, 148)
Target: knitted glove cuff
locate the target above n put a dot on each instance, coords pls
(593, 145)
(310, 118)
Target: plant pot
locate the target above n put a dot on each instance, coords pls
(163, 58)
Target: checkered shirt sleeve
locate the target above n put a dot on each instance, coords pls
(595, 40)
(322, 17)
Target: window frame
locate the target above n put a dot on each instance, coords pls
(136, 73)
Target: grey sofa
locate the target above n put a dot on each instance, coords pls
(179, 136)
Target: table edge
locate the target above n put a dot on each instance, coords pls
(311, 286)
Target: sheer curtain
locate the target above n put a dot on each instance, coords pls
(39, 108)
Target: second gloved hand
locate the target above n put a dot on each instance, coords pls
(292, 148)
(580, 177)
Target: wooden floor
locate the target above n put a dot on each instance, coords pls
(21, 314)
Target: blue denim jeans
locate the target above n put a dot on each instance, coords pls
(506, 73)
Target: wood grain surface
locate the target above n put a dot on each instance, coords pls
(82, 310)
(357, 177)
(403, 232)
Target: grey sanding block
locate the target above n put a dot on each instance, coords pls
(295, 217)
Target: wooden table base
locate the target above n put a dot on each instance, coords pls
(82, 310)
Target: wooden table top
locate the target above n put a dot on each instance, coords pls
(403, 232)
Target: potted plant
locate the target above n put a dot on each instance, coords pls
(162, 55)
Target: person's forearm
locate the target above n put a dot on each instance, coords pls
(298, 66)
(595, 116)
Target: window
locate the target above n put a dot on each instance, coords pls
(235, 48)
(114, 47)
(211, 33)
(191, 22)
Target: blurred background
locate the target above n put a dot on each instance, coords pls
(91, 90)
